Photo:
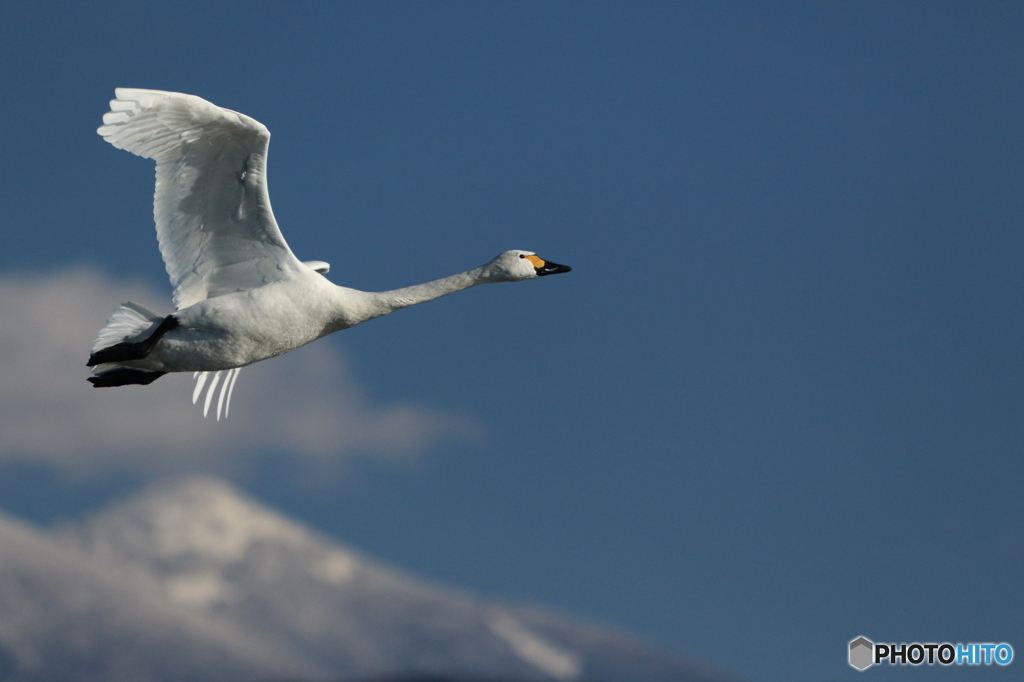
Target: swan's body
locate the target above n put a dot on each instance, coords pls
(241, 294)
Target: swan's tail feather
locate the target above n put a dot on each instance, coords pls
(132, 333)
(131, 322)
(227, 387)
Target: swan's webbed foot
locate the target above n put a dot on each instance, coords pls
(125, 351)
(123, 376)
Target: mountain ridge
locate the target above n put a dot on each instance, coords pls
(218, 563)
(56, 605)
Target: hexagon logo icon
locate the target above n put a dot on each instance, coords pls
(862, 652)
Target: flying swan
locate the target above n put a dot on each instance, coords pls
(240, 294)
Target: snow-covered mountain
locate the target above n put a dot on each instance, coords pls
(65, 617)
(191, 580)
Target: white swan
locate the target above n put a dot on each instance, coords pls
(241, 294)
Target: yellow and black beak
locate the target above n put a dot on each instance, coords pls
(546, 267)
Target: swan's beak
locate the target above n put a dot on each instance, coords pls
(546, 267)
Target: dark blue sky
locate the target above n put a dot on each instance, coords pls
(776, 405)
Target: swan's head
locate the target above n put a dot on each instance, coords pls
(516, 265)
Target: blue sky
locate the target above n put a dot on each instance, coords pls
(777, 403)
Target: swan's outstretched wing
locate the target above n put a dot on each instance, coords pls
(216, 231)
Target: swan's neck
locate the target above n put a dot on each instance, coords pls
(384, 302)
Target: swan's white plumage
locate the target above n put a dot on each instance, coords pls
(240, 293)
(128, 322)
(318, 265)
(214, 223)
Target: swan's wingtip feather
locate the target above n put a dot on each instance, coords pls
(210, 391)
(140, 95)
(200, 382)
(231, 390)
(223, 392)
(227, 388)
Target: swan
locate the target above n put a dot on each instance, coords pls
(240, 294)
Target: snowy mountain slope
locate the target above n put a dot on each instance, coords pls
(215, 552)
(64, 616)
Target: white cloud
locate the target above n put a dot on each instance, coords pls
(302, 404)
